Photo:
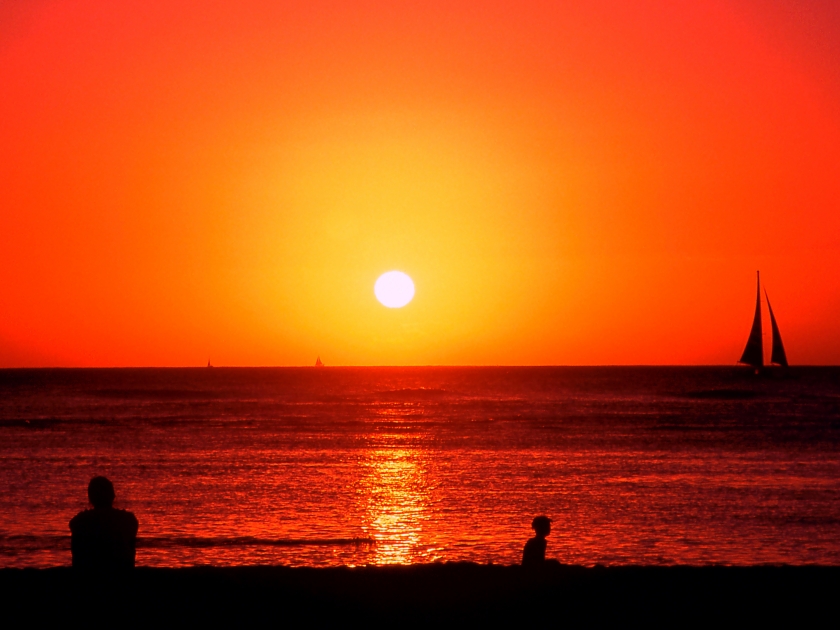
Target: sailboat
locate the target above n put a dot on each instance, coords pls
(754, 351)
(318, 362)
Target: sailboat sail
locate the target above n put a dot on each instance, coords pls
(777, 355)
(754, 351)
(318, 362)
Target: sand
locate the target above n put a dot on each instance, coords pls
(422, 594)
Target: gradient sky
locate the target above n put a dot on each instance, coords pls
(566, 182)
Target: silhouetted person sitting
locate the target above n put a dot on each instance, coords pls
(103, 538)
(534, 553)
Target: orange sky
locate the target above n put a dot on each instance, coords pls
(566, 182)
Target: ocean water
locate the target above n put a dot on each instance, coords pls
(355, 466)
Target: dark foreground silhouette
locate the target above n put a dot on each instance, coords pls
(103, 538)
(420, 594)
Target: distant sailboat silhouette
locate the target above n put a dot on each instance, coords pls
(754, 351)
(318, 362)
(208, 363)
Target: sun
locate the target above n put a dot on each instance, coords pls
(394, 289)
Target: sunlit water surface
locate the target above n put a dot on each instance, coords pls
(362, 466)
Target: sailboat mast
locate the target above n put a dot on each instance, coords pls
(754, 351)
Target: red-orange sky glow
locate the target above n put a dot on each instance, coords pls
(565, 182)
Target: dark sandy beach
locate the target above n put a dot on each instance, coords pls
(424, 593)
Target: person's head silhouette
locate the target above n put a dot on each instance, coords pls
(101, 492)
(542, 526)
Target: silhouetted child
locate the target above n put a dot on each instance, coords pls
(103, 538)
(534, 553)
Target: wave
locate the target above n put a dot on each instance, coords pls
(29, 543)
(32, 543)
(412, 393)
(248, 541)
(722, 394)
(149, 393)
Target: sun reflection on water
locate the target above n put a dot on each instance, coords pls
(396, 502)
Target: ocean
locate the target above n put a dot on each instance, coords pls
(357, 466)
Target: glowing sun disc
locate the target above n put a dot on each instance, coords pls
(394, 289)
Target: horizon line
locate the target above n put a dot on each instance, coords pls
(429, 365)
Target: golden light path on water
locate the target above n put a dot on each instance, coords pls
(396, 493)
(395, 507)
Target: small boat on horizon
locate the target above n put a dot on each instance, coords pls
(754, 351)
(318, 362)
(208, 363)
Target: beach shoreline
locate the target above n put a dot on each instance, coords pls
(423, 593)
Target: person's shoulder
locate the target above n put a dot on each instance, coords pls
(81, 519)
(126, 517)
(535, 545)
